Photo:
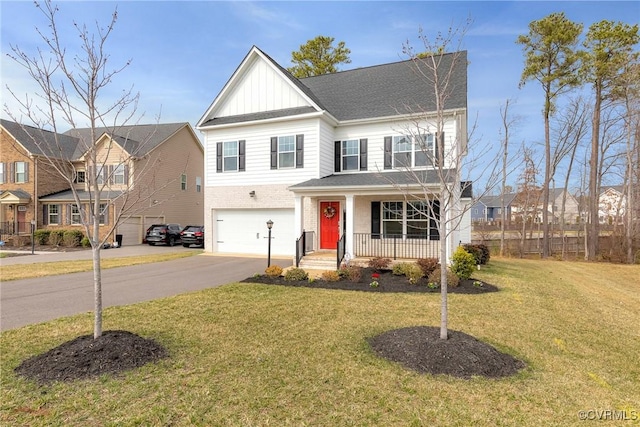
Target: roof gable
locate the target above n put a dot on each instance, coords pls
(41, 142)
(259, 85)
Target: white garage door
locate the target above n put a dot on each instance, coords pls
(131, 230)
(245, 231)
(150, 220)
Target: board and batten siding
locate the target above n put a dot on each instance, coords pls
(261, 88)
(258, 154)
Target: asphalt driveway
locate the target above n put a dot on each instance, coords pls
(29, 301)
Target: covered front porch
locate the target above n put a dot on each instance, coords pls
(355, 217)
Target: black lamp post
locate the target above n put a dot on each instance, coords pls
(33, 232)
(269, 225)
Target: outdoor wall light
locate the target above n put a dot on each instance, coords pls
(252, 194)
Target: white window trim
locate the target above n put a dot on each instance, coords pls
(18, 173)
(118, 174)
(343, 155)
(183, 182)
(236, 156)
(292, 151)
(56, 214)
(405, 221)
(415, 148)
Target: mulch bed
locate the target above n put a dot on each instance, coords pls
(387, 283)
(421, 349)
(86, 357)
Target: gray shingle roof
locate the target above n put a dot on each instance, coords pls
(372, 179)
(389, 89)
(378, 91)
(259, 116)
(42, 142)
(21, 194)
(67, 196)
(138, 140)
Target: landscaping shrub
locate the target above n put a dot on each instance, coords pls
(296, 274)
(331, 276)
(400, 269)
(273, 271)
(481, 252)
(413, 273)
(379, 263)
(462, 263)
(353, 273)
(56, 237)
(452, 279)
(85, 242)
(428, 265)
(41, 236)
(72, 238)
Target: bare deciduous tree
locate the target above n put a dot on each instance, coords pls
(72, 85)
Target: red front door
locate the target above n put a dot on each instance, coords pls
(329, 224)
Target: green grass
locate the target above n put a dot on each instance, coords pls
(258, 355)
(19, 271)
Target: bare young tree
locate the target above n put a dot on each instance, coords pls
(437, 63)
(72, 86)
(507, 124)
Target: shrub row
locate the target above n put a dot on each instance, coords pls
(59, 237)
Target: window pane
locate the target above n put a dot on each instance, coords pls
(21, 176)
(231, 148)
(402, 159)
(285, 160)
(417, 229)
(230, 163)
(286, 143)
(392, 228)
(392, 210)
(350, 163)
(350, 153)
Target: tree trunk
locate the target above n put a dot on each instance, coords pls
(444, 209)
(97, 292)
(547, 179)
(594, 191)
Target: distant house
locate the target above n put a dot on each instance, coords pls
(325, 158)
(611, 204)
(534, 210)
(165, 161)
(489, 208)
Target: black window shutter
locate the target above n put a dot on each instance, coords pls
(241, 156)
(12, 172)
(68, 212)
(126, 175)
(387, 153)
(106, 215)
(45, 214)
(375, 220)
(26, 172)
(110, 174)
(299, 151)
(274, 152)
(218, 156)
(337, 154)
(363, 154)
(434, 219)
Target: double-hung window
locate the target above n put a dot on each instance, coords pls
(53, 214)
(407, 151)
(80, 178)
(287, 152)
(2, 173)
(412, 219)
(21, 172)
(230, 156)
(350, 154)
(183, 181)
(198, 184)
(76, 219)
(104, 213)
(118, 174)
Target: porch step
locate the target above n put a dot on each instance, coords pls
(319, 261)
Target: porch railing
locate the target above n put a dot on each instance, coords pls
(340, 250)
(301, 248)
(10, 228)
(394, 246)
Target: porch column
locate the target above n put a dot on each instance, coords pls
(298, 215)
(350, 213)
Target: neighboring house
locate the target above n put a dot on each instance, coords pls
(489, 208)
(152, 173)
(535, 206)
(611, 204)
(326, 156)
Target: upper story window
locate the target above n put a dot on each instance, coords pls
(198, 184)
(21, 172)
(2, 173)
(230, 156)
(287, 152)
(119, 174)
(183, 182)
(80, 178)
(405, 151)
(350, 155)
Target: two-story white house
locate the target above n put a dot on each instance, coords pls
(343, 160)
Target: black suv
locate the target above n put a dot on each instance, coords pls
(192, 235)
(168, 234)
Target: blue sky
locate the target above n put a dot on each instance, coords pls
(184, 52)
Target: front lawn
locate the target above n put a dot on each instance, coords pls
(253, 354)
